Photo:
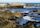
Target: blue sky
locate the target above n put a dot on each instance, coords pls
(23, 1)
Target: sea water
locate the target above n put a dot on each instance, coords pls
(23, 21)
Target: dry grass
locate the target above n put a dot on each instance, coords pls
(4, 16)
(7, 25)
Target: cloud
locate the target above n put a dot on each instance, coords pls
(27, 1)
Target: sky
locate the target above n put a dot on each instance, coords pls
(23, 1)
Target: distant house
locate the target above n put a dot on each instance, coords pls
(32, 5)
(16, 5)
